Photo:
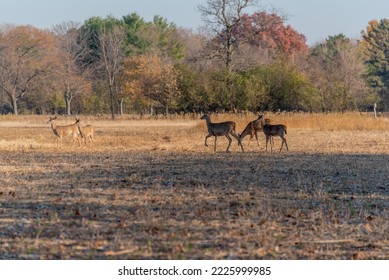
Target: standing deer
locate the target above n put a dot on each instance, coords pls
(253, 128)
(86, 132)
(62, 131)
(220, 129)
(275, 130)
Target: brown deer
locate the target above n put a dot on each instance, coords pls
(275, 130)
(87, 132)
(253, 128)
(220, 129)
(65, 130)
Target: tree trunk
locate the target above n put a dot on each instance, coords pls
(121, 106)
(112, 101)
(14, 105)
(68, 101)
(151, 110)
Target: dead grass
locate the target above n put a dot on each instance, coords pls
(150, 189)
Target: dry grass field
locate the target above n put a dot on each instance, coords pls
(150, 189)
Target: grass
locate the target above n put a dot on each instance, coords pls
(150, 189)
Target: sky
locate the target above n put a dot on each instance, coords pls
(315, 19)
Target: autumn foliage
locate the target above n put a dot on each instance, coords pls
(26, 54)
(150, 79)
(242, 62)
(268, 31)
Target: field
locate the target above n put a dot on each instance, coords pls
(150, 189)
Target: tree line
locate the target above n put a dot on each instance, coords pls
(238, 61)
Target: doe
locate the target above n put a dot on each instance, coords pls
(220, 129)
(271, 130)
(62, 131)
(253, 128)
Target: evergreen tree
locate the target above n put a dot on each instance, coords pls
(375, 47)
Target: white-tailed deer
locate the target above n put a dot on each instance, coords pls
(65, 130)
(275, 130)
(253, 128)
(220, 129)
(87, 133)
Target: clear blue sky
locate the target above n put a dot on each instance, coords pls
(316, 19)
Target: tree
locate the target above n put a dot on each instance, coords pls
(151, 77)
(136, 43)
(26, 53)
(156, 36)
(338, 71)
(222, 17)
(72, 49)
(191, 85)
(112, 40)
(269, 35)
(375, 47)
(107, 43)
(111, 57)
(283, 85)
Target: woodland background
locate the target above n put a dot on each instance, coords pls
(237, 62)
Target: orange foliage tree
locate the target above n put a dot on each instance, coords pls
(151, 79)
(269, 31)
(26, 53)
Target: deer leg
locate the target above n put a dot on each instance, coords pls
(237, 139)
(75, 137)
(229, 142)
(206, 137)
(251, 137)
(239, 143)
(286, 144)
(256, 137)
(214, 149)
(282, 144)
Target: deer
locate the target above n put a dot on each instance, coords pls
(252, 129)
(271, 130)
(86, 132)
(220, 129)
(65, 130)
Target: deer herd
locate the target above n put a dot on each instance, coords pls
(260, 124)
(86, 133)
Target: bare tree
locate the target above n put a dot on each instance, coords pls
(26, 53)
(72, 49)
(221, 18)
(112, 54)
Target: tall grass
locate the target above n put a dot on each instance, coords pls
(294, 121)
(314, 121)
